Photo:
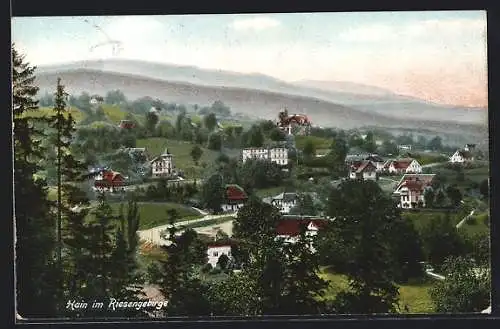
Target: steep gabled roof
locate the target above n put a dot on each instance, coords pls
(402, 163)
(286, 197)
(374, 158)
(465, 154)
(415, 181)
(362, 166)
(235, 193)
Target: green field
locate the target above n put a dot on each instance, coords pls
(319, 142)
(422, 219)
(181, 154)
(114, 113)
(414, 296)
(155, 214)
(48, 111)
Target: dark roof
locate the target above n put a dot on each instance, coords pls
(222, 243)
(286, 197)
(465, 154)
(374, 158)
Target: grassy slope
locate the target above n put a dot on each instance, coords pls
(415, 296)
(320, 143)
(155, 214)
(181, 151)
(48, 111)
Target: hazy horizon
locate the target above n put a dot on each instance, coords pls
(435, 56)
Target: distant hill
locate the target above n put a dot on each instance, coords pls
(250, 102)
(345, 86)
(370, 99)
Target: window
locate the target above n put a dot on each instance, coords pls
(215, 254)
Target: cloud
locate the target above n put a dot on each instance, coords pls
(255, 23)
(133, 28)
(460, 27)
(371, 33)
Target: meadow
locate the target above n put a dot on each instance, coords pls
(413, 297)
(181, 151)
(154, 214)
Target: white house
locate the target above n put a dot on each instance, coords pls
(403, 166)
(234, 198)
(163, 166)
(404, 147)
(278, 155)
(214, 251)
(289, 228)
(285, 202)
(363, 170)
(461, 156)
(411, 190)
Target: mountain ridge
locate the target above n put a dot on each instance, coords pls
(254, 103)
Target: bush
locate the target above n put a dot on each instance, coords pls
(215, 270)
(206, 268)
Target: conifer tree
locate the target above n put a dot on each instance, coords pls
(180, 282)
(37, 295)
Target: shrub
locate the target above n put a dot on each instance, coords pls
(206, 268)
(215, 270)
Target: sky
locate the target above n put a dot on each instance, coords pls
(438, 56)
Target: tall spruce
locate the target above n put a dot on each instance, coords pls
(37, 295)
(180, 282)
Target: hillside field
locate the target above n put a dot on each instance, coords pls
(153, 214)
(181, 154)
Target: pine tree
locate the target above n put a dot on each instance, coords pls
(37, 295)
(180, 282)
(126, 280)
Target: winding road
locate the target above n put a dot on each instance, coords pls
(153, 235)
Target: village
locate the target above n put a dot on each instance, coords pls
(401, 176)
(235, 171)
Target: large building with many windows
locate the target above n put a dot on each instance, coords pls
(278, 155)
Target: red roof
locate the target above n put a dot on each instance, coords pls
(399, 164)
(235, 193)
(361, 166)
(416, 182)
(110, 178)
(291, 227)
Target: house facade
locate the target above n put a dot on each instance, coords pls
(461, 156)
(410, 190)
(278, 155)
(365, 170)
(216, 250)
(285, 202)
(108, 181)
(235, 198)
(378, 161)
(403, 166)
(126, 124)
(163, 165)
